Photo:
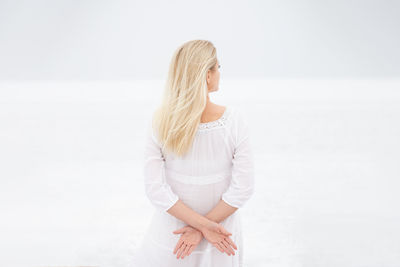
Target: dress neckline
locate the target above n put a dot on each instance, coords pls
(211, 124)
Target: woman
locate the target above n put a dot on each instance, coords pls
(198, 169)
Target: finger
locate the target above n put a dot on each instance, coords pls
(218, 246)
(186, 251)
(224, 231)
(181, 251)
(225, 248)
(178, 253)
(192, 247)
(180, 230)
(228, 246)
(222, 248)
(229, 240)
(178, 245)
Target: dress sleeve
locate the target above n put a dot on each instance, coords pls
(242, 184)
(157, 189)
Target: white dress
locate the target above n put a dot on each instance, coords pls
(218, 166)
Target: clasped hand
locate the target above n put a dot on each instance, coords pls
(214, 233)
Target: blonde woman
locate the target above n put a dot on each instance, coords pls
(198, 169)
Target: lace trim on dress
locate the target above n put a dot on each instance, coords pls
(215, 124)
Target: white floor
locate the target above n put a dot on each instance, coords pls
(327, 172)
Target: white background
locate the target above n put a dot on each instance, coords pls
(317, 80)
(125, 39)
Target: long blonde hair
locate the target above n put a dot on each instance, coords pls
(185, 95)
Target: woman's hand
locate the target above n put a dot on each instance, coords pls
(190, 238)
(217, 235)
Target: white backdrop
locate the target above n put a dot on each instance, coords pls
(318, 80)
(326, 152)
(256, 39)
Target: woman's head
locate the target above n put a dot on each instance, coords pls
(193, 72)
(213, 78)
(195, 62)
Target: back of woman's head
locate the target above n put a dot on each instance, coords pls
(185, 95)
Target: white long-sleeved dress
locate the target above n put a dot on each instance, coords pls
(218, 166)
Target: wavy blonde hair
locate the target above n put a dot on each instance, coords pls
(185, 96)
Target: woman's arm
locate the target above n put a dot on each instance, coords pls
(164, 199)
(241, 187)
(157, 189)
(220, 212)
(212, 231)
(184, 213)
(161, 195)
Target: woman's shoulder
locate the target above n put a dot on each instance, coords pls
(221, 122)
(232, 117)
(237, 115)
(238, 123)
